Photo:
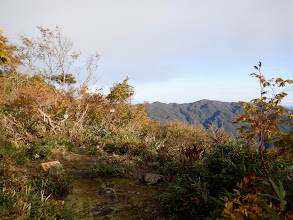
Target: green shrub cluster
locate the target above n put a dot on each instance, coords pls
(24, 198)
(109, 167)
(55, 182)
(192, 184)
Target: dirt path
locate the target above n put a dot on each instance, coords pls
(112, 198)
(108, 197)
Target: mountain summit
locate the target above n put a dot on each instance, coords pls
(202, 112)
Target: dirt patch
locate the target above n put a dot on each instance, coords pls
(121, 198)
(129, 199)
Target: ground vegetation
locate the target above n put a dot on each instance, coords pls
(204, 172)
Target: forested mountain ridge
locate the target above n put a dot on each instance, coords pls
(204, 112)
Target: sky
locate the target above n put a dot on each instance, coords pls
(172, 50)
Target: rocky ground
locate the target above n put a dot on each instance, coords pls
(133, 195)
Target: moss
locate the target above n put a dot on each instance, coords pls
(131, 199)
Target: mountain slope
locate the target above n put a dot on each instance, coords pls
(202, 112)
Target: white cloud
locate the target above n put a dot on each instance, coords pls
(155, 40)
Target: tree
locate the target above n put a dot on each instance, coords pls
(262, 118)
(120, 93)
(118, 103)
(55, 52)
(3, 54)
(9, 60)
(10, 79)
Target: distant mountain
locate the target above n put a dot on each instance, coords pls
(202, 112)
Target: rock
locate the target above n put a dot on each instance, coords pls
(56, 166)
(105, 211)
(110, 185)
(107, 193)
(151, 178)
(120, 169)
(151, 164)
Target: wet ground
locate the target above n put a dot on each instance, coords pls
(107, 197)
(104, 197)
(112, 198)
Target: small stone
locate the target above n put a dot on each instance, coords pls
(108, 193)
(110, 185)
(120, 169)
(151, 164)
(151, 178)
(56, 166)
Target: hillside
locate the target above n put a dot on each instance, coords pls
(68, 153)
(202, 112)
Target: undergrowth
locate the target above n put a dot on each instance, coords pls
(207, 173)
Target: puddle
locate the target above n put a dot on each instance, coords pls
(112, 198)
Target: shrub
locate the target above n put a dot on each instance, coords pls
(192, 183)
(134, 148)
(55, 182)
(21, 199)
(9, 153)
(253, 199)
(106, 166)
(37, 151)
(177, 134)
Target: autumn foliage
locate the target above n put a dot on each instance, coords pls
(45, 104)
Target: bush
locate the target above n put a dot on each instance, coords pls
(20, 198)
(106, 166)
(178, 134)
(192, 183)
(9, 153)
(134, 148)
(37, 151)
(55, 182)
(253, 199)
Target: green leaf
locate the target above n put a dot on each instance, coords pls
(269, 209)
(266, 216)
(217, 201)
(282, 191)
(276, 188)
(22, 217)
(269, 195)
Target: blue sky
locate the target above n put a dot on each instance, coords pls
(172, 50)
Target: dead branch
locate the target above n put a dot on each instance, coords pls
(47, 118)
